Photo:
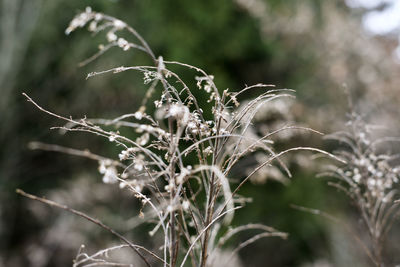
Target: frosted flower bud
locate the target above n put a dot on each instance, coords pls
(191, 125)
(371, 169)
(208, 150)
(170, 208)
(174, 110)
(138, 165)
(98, 16)
(111, 36)
(93, 26)
(110, 176)
(141, 128)
(371, 182)
(185, 205)
(79, 21)
(111, 138)
(102, 167)
(143, 139)
(167, 188)
(126, 47)
(119, 24)
(122, 185)
(124, 155)
(138, 115)
(122, 42)
(179, 112)
(170, 186)
(157, 104)
(357, 178)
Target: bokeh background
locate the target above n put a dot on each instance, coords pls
(320, 48)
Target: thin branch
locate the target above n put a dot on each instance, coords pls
(87, 217)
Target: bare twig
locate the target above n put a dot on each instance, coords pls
(87, 217)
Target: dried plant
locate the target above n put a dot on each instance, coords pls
(190, 205)
(369, 178)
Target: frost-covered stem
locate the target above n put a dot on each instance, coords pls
(378, 251)
(205, 229)
(185, 232)
(144, 43)
(210, 201)
(173, 240)
(210, 211)
(137, 35)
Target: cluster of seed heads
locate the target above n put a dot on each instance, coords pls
(370, 178)
(180, 163)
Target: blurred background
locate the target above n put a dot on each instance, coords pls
(317, 47)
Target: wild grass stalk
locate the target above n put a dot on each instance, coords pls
(192, 204)
(369, 178)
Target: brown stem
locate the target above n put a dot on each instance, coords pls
(377, 244)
